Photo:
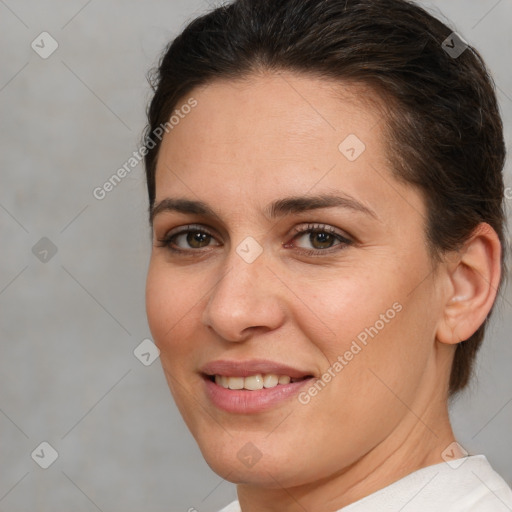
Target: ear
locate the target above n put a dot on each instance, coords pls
(474, 273)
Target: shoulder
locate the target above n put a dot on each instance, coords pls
(479, 488)
(468, 484)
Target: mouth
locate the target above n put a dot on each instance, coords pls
(244, 387)
(254, 382)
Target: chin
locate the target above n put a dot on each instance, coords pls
(270, 465)
(267, 474)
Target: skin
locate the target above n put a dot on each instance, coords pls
(246, 144)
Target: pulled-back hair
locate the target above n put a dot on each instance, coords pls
(444, 131)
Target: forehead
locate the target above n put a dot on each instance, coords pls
(249, 142)
(273, 117)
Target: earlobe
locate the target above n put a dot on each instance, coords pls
(474, 278)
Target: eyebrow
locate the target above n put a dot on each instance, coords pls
(276, 209)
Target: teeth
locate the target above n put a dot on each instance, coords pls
(253, 382)
(235, 382)
(270, 380)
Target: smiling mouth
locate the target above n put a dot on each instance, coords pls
(254, 382)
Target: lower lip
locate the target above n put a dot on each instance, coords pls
(242, 401)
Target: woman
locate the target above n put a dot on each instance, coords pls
(325, 188)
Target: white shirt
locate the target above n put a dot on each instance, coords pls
(471, 486)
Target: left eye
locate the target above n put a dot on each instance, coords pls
(321, 238)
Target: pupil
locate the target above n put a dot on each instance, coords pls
(195, 239)
(324, 239)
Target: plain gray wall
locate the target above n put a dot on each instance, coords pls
(69, 325)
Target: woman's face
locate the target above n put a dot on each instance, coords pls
(273, 279)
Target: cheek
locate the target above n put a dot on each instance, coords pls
(157, 302)
(170, 301)
(339, 308)
(370, 320)
(170, 304)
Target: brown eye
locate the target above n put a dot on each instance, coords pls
(320, 238)
(187, 239)
(197, 239)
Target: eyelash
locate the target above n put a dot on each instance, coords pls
(167, 241)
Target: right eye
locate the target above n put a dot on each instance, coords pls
(187, 239)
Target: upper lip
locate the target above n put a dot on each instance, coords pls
(251, 367)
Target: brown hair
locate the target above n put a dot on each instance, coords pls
(446, 134)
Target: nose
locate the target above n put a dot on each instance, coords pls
(246, 299)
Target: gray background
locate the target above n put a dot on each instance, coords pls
(69, 325)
